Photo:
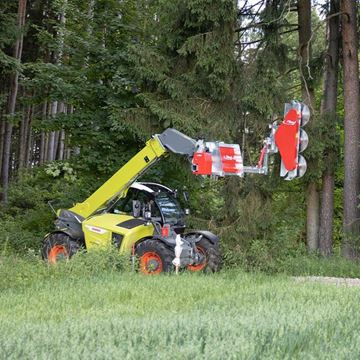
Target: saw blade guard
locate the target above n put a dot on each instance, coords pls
(291, 140)
(217, 159)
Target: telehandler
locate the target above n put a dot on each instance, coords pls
(146, 219)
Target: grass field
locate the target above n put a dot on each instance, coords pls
(231, 315)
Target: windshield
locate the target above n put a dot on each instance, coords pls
(170, 208)
(166, 207)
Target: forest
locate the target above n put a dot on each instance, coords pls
(84, 84)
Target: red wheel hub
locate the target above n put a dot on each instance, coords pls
(151, 263)
(202, 265)
(56, 253)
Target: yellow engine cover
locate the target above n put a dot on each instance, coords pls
(99, 230)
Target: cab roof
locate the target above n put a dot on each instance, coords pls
(150, 187)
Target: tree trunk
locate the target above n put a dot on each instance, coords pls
(29, 140)
(29, 157)
(351, 127)
(61, 145)
(61, 149)
(2, 136)
(46, 146)
(42, 150)
(328, 111)
(24, 136)
(51, 135)
(57, 107)
(326, 213)
(312, 201)
(21, 144)
(6, 158)
(305, 51)
(68, 150)
(50, 146)
(312, 216)
(58, 145)
(68, 153)
(13, 90)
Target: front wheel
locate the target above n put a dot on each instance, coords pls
(154, 257)
(58, 247)
(212, 256)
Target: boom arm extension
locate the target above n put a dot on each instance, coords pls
(157, 147)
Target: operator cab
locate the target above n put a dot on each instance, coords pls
(156, 198)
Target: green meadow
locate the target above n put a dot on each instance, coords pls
(79, 311)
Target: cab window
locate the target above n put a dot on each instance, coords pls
(170, 208)
(125, 205)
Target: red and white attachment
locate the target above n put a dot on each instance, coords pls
(217, 159)
(220, 159)
(291, 140)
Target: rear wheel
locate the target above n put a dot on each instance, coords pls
(58, 247)
(211, 252)
(154, 257)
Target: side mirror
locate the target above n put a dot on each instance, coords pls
(147, 212)
(147, 215)
(186, 196)
(136, 208)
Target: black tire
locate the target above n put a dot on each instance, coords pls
(212, 253)
(155, 257)
(58, 246)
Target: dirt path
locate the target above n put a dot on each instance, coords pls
(329, 280)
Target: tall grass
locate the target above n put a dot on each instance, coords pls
(313, 264)
(27, 270)
(61, 313)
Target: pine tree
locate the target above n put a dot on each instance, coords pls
(11, 103)
(351, 127)
(182, 67)
(328, 111)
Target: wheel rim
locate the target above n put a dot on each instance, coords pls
(57, 252)
(151, 263)
(201, 266)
